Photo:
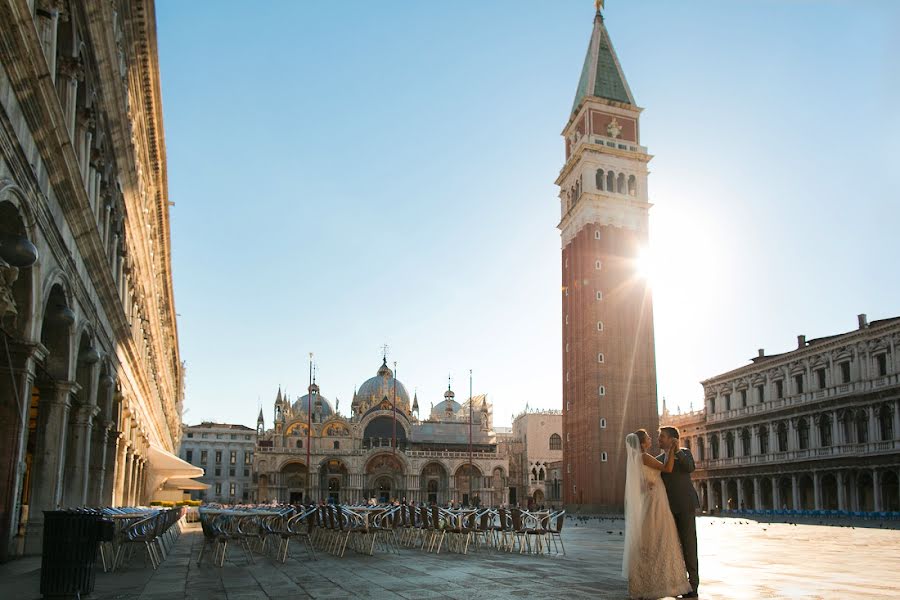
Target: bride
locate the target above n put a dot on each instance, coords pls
(653, 561)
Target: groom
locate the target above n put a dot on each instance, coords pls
(682, 500)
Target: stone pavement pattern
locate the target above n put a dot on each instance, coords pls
(738, 559)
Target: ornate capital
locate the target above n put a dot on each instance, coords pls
(86, 118)
(70, 67)
(8, 276)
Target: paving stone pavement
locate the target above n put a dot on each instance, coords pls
(739, 559)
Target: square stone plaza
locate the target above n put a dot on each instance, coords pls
(739, 558)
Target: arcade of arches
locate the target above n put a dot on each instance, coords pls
(817, 428)
(90, 374)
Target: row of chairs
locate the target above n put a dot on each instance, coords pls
(155, 533)
(335, 528)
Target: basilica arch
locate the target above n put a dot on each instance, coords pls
(294, 481)
(334, 480)
(385, 477)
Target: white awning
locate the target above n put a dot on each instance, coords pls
(163, 466)
(181, 483)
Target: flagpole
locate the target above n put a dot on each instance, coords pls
(309, 403)
(394, 412)
(471, 468)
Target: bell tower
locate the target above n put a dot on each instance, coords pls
(609, 363)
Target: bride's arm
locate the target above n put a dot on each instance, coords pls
(655, 464)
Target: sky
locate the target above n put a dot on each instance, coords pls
(353, 174)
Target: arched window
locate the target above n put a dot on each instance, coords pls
(533, 474)
(632, 185)
(862, 427)
(610, 181)
(600, 358)
(782, 437)
(620, 183)
(599, 295)
(541, 474)
(714, 447)
(745, 441)
(299, 443)
(846, 420)
(555, 442)
(763, 439)
(701, 449)
(602, 391)
(599, 325)
(825, 431)
(803, 434)
(602, 423)
(885, 422)
(729, 444)
(598, 179)
(596, 234)
(598, 265)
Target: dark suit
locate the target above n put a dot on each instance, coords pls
(684, 502)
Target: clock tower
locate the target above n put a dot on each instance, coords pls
(609, 363)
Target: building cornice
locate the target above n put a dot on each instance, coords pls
(783, 359)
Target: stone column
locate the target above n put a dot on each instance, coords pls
(15, 388)
(815, 440)
(876, 490)
(896, 417)
(126, 481)
(108, 491)
(836, 435)
(724, 487)
(70, 72)
(140, 492)
(739, 501)
(78, 463)
(757, 494)
(49, 458)
(118, 496)
(776, 494)
(841, 491)
(98, 463)
(817, 490)
(795, 491)
(46, 19)
(874, 429)
(754, 439)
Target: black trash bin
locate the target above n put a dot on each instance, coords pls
(70, 548)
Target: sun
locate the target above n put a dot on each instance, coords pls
(643, 264)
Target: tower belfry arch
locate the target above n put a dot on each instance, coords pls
(607, 303)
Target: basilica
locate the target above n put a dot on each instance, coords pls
(384, 449)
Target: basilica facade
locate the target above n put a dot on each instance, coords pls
(383, 449)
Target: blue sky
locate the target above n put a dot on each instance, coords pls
(352, 174)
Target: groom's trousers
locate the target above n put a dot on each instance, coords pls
(687, 533)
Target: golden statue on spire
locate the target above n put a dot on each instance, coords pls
(599, 5)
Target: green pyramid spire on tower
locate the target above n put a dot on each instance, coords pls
(601, 75)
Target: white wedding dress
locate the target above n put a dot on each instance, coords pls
(653, 561)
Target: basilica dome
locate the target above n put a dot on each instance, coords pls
(377, 388)
(448, 407)
(302, 404)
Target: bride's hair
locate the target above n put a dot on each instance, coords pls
(642, 435)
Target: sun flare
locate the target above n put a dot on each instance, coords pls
(643, 264)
